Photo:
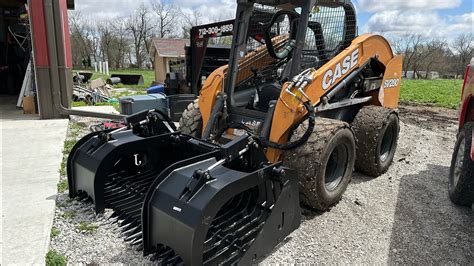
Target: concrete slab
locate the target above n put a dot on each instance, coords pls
(31, 153)
(98, 109)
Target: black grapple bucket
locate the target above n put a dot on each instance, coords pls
(185, 200)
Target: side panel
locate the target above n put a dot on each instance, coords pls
(467, 106)
(213, 85)
(40, 44)
(466, 112)
(63, 4)
(50, 30)
(389, 93)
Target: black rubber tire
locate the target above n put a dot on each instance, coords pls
(376, 130)
(462, 191)
(191, 120)
(311, 161)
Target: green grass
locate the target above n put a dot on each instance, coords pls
(115, 105)
(62, 186)
(55, 232)
(68, 145)
(442, 93)
(54, 258)
(87, 227)
(148, 76)
(69, 215)
(75, 131)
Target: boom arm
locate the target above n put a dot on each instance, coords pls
(289, 110)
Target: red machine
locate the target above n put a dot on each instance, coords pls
(461, 174)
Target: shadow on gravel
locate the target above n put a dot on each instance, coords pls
(358, 178)
(309, 213)
(427, 227)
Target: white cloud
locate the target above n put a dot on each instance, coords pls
(392, 17)
(399, 22)
(94, 9)
(211, 10)
(387, 5)
(461, 24)
(428, 23)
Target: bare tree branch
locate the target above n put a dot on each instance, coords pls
(167, 16)
(140, 27)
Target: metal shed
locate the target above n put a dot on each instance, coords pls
(48, 35)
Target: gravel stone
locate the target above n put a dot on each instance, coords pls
(402, 217)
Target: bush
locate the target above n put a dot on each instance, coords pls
(54, 258)
(55, 232)
(87, 227)
(69, 215)
(62, 186)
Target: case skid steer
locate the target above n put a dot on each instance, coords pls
(303, 102)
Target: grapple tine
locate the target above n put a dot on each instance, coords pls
(131, 231)
(133, 237)
(127, 225)
(112, 221)
(137, 242)
(114, 214)
(139, 247)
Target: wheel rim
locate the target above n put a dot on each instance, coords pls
(388, 141)
(459, 162)
(336, 167)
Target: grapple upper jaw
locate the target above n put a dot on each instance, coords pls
(236, 216)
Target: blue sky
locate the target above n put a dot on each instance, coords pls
(441, 19)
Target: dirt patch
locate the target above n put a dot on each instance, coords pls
(428, 117)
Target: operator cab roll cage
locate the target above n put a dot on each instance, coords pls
(295, 59)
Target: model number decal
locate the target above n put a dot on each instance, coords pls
(332, 76)
(391, 83)
(215, 31)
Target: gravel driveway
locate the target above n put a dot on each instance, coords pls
(404, 216)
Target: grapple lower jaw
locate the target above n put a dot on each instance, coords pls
(236, 217)
(186, 200)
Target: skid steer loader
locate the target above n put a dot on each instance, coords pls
(302, 102)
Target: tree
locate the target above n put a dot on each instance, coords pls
(434, 57)
(139, 25)
(422, 55)
(121, 44)
(189, 21)
(80, 43)
(167, 17)
(411, 50)
(107, 38)
(463, 47)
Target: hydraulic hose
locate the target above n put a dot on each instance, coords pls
(269, 144)
(297, 143)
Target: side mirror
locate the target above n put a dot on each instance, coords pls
(281, 29)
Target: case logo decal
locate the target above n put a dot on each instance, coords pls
(332, 76)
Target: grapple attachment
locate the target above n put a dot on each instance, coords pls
(185, 200)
